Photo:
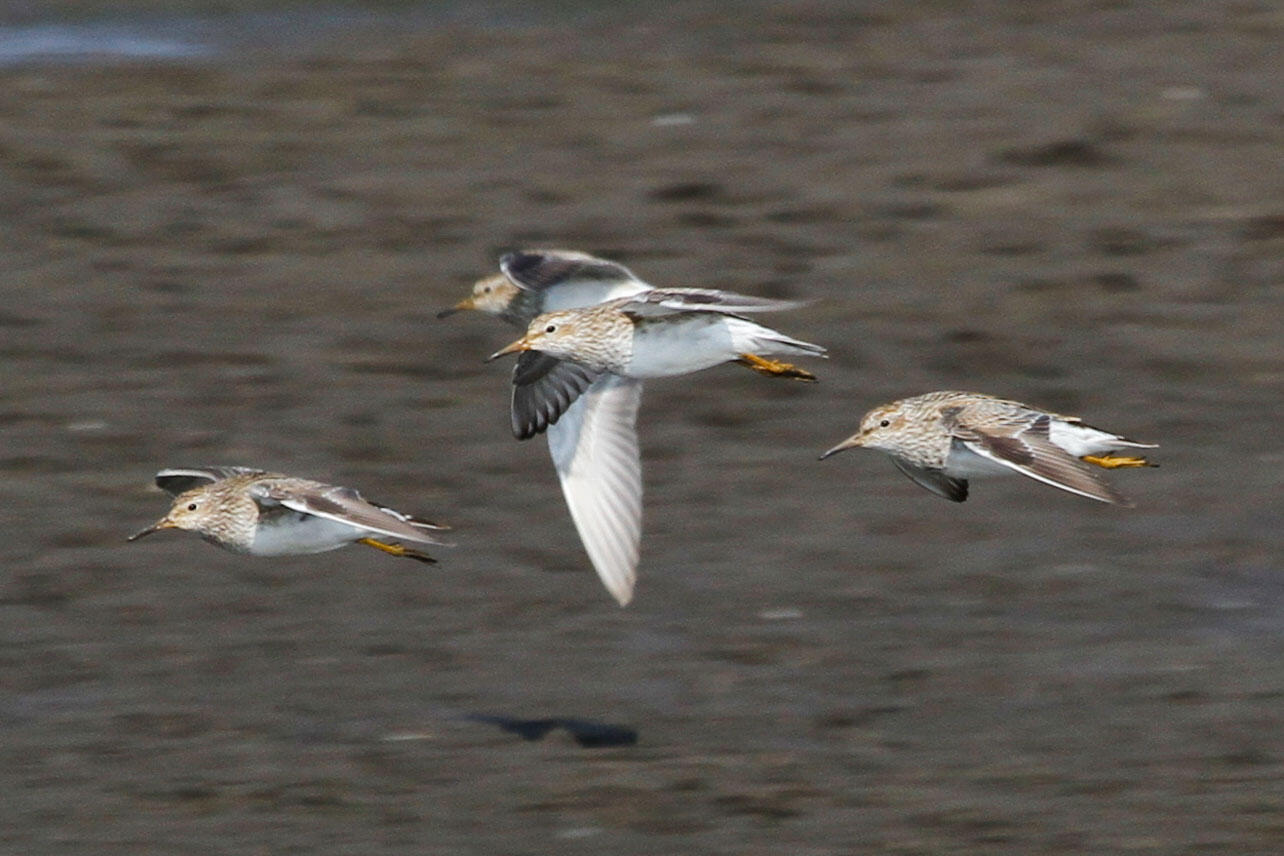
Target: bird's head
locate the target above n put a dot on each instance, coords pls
(492, 295)
(878, 430)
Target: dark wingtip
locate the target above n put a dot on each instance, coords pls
(527, 430)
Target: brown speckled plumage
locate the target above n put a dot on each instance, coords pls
(940, 439)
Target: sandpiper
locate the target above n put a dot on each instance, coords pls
(942, 439)
(545, 391)
(585, 368)
(269, 514)
(537, 281)
(533, 282)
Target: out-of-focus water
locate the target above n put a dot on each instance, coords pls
(86, 42)
(132, 36)
(178, 38)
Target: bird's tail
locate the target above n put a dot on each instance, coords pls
(417, 522)
(752, 338)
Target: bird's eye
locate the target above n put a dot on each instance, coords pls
(551, 328)
(884, 423)
(191, 506)
(486, 290)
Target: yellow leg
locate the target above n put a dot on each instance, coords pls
(772, 367)
(1114, 462)
(398, 550)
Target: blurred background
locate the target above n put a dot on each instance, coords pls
(226, 230)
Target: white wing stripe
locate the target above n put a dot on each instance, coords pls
(366, 517)
(1104, 492)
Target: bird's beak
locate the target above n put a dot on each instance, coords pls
(163, 523)
(520, 345)
(850, 443)
(462, 306)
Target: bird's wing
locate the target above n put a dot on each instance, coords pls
(1029, 451)
(716, 300)
(341, 504)
(543, 387)
(537, 270)
(178, 480)
(934, 480)
(670, 301)
(595, 450)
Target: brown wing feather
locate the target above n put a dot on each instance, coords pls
(1031, 452)
(339, 503)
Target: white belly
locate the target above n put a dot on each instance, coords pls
(963, 463)
(294, 535)
(677, 347)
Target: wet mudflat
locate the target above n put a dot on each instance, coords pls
(239, 259)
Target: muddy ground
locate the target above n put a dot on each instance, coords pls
(239, 260)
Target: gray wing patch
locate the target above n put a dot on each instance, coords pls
(1012, 449)
(543, 387)
(413, 520)
(339, 501)
(537, 270)
(934, 480)
(723, 301)
(351, 495)
(341, 504)
(335, 502)
(667, 301)
(1032, 453)
(178, 480)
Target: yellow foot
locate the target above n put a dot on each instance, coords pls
(398, 550)
(1114, 462)
(772, 367)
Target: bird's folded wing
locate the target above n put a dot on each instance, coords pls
(543, 387)
(595, 450)
(536, 270)
(669, 301)
(177, 480)
(934, 480)
(341, 504)
(1031, 453)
